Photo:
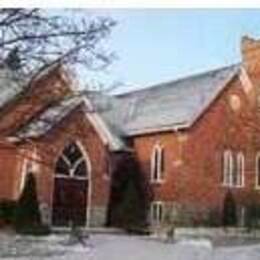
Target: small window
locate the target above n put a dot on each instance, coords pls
(258, 171)
(227, 176)
(240, 170)
(233, 169)
(157, 212)
(157, 164)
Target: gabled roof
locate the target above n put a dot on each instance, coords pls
(171, 105)
(51, 116)
(168, 106)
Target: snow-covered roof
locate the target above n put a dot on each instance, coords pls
(51, 116)
(175, 104)
(48, 118)
(168, 106)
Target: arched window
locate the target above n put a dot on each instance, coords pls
(257, 184)
(233, 169)
(240, 170)
(71, 163)
(227, 178)
(157, 164)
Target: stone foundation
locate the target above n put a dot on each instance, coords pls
(195, 216)
(188, 216)
(98, 216)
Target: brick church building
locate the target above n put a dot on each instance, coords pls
(194, 139)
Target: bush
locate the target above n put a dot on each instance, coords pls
(229, 216)
(7, 211)
(128, 202)
(252, 216)
(130, 212)
(27, 214)
(213, 218)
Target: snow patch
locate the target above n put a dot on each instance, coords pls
(203, 243)
(118, 247)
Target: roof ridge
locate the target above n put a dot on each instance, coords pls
(188, 77)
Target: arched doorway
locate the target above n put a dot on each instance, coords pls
(71, 185)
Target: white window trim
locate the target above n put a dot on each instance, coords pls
(228, 169)
(157, 149)
(241, 171)
(257, 171)
(156, 204)
(84, 158)
(61, 176)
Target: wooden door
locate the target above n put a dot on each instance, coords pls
(70, 188)
(69, 201)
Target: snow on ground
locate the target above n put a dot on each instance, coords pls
(122, 247)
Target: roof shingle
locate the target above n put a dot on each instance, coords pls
(166, 106)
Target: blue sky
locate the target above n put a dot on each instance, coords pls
(158, 45)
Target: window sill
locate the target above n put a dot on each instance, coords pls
(156, 223)
(106, 177)
(59, 176)
(159, 182)
(233, 186)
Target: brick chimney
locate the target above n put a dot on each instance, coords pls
(250, 49)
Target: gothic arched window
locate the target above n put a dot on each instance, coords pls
(228, 168)
(71, 163)
(240, 169)
(157, 164)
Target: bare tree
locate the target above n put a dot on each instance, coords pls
(32, 40)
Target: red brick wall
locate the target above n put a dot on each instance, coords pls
(219, 129)
(143, 146)
(48, 88)
(10, 164)
(193, 157)
(193, 165)
(75, 127)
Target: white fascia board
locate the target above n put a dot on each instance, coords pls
(100, 126)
